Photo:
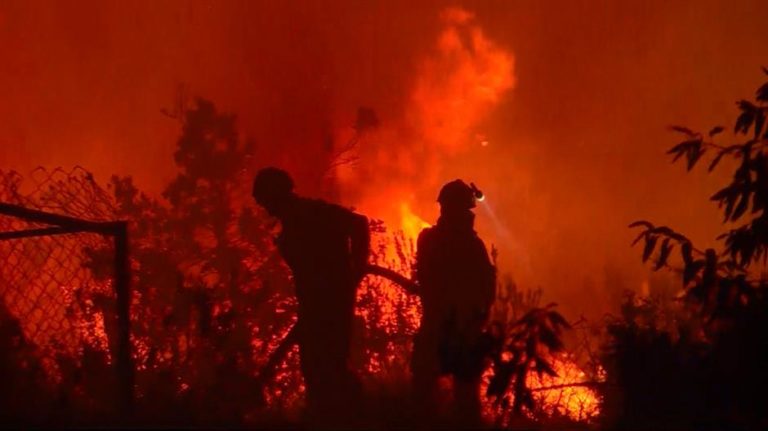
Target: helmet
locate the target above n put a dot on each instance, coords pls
(272, 183)
(458, 195)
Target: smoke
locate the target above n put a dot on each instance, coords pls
(567, 158)
(400, 166)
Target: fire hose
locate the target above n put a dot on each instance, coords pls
(269, 369)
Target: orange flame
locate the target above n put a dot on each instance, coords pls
(566, 395)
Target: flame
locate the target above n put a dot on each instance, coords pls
(411, 223)
(565, 395)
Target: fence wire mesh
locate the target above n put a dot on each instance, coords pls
(61, 308)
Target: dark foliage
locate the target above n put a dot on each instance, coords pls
(707, 368)
(207, 278)
(525, 346)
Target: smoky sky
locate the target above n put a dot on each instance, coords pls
(576, 148)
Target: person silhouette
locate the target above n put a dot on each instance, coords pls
(457, 283)
(327, 248)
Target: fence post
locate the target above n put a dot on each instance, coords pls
(124, 360)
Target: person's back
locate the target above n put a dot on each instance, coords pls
(454, 271)
(315, 243)
(326, 247)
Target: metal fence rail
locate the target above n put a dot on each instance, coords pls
(45, 284)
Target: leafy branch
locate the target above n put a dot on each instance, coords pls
(748, 190)
(719, 280)
(719, 284)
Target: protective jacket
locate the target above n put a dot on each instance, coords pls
(457, 283)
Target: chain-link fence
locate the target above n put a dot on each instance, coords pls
(63, 312)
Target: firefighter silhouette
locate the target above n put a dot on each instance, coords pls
(326, 247)
(457, 283)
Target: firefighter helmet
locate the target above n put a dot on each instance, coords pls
(457, 194)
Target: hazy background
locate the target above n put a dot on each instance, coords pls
(575, 150)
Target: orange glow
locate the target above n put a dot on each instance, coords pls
(568, 397)
(403, 164)
(560, 120)
(458, 86)
(86, 88)
(411, 224)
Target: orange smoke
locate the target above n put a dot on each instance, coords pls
(459, 84)
(403, 163)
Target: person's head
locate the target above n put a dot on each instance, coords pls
(457, 197)
(273, 190)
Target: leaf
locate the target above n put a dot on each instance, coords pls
(684, 130)
(746, 118)
(724, 193)
(558, 320)
(762, 93)
(716, 130)
(691, 148)
(759, 122)
(678, 150)
(647, 224)
(543, 367)
(551, 340)
(664, 230)
(716, 160)
(729, 203)
(694, 154)
(678, 155)
(741, 207)
(639, 237)
(664, 254)
(650, 244)
(687, 252)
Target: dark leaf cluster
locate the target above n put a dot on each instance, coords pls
(713, 376)
(528, 346)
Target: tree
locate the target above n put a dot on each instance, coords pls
(207, 275)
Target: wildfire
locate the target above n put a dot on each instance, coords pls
(455, 87)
